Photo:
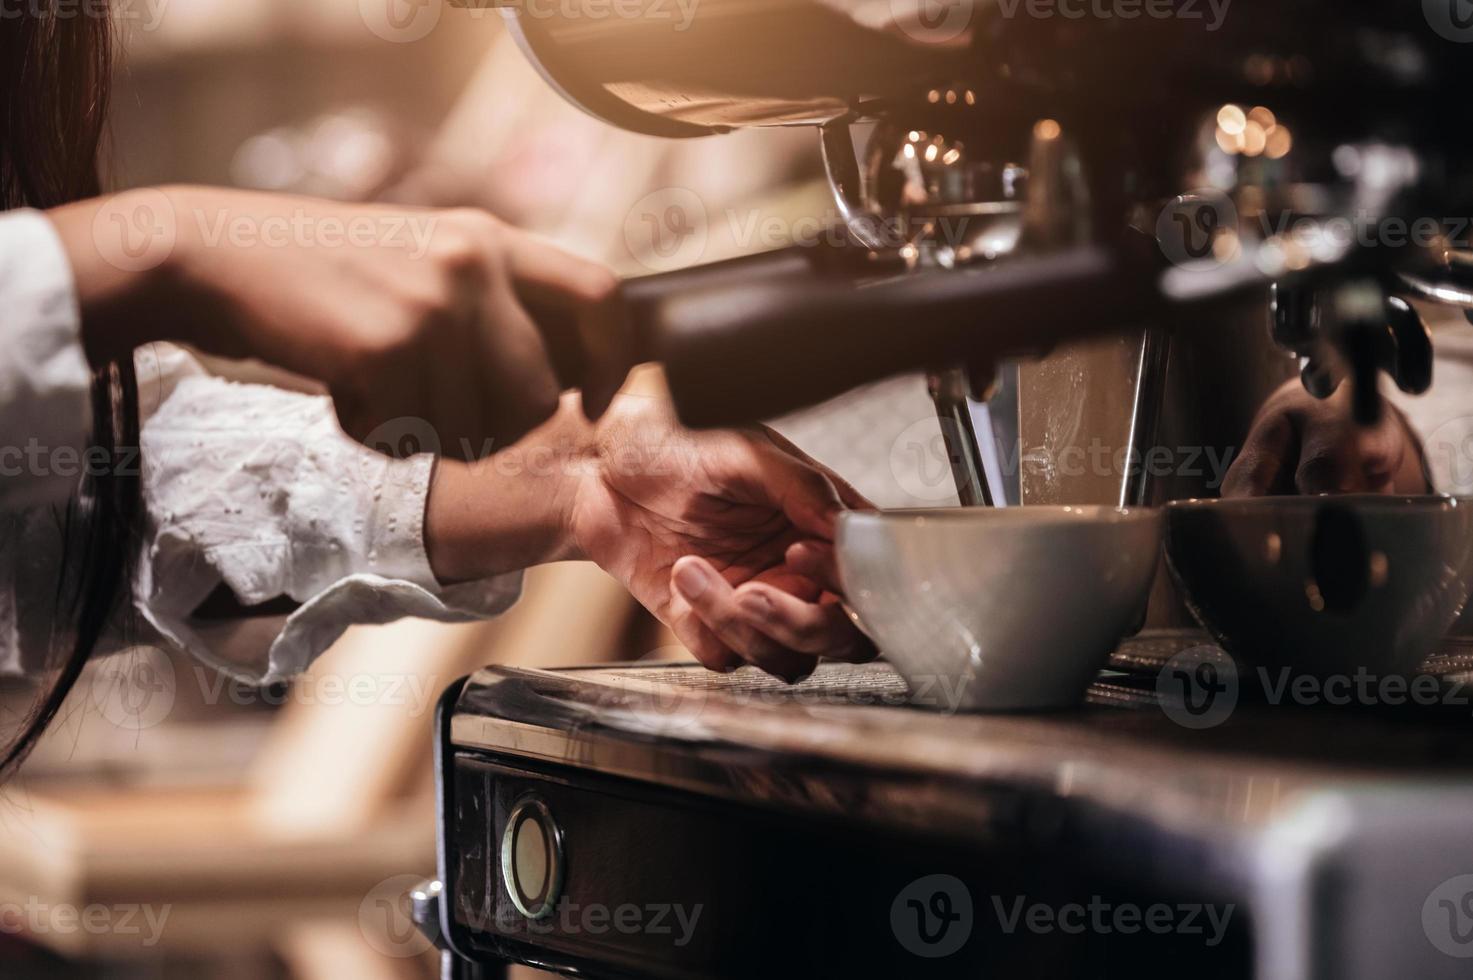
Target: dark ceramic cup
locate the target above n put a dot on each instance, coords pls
(1324, 585)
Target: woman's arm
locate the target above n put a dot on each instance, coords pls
(269, 532)
(726, 535)
(435, 315)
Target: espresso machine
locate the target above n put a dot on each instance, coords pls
(1099, 235)
(1119, 226)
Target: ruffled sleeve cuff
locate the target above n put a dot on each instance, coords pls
(258, 490)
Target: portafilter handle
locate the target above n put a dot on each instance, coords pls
(738, 348)
(594, 349)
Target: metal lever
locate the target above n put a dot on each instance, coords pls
(966, 429)
(1410, 358)
(1397, 342)
(841, 165)
(1361, 332)
(424, 910)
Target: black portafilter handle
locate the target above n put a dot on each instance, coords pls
(755, 338)
(594, 350)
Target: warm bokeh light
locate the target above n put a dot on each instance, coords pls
(1254, 139)
(1280, 142)
(1254, 133)
(1230, 142)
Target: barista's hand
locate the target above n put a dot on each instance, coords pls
(699, 525)
(436, 315)
(725, 536)
(1304, 445)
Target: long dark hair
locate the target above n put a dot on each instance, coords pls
(55, 73)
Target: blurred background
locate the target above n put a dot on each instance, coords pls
(176, 825)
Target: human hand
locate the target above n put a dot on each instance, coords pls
(1304, 445)
(726, 536)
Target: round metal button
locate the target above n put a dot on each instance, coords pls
(532, 858)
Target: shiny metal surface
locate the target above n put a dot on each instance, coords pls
(1325, 586)
(685, 69)
(973, 600)
(1272, 809)
(721, 64)
(845, 743)
(734, 736)
(1282, 116)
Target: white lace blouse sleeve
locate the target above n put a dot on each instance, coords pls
(44, 378)
(257, 489)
